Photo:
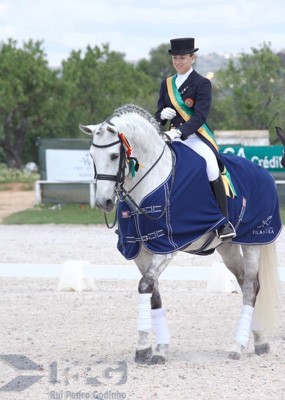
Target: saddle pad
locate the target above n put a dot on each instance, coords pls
(181, 214)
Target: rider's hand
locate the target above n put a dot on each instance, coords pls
(172, 134)
(167, 113)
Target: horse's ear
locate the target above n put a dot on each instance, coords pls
(89, 129)
(112, 128)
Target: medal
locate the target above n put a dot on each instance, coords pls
(189, 102)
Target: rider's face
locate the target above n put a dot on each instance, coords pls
(182, 63)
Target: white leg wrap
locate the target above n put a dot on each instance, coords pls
(243, 329)
(144, 312)
(160, 326)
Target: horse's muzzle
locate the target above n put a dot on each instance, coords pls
(106, 205)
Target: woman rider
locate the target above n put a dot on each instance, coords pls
(185, 100)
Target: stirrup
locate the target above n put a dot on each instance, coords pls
(226, 232)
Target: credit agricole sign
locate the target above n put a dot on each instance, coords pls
(268, 157)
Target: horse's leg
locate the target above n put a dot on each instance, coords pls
(246, 270)
(261, 345)
(160, 327)
(233, 260)
(150, 266)
(250, 289)
(143, 349)
(267, 308)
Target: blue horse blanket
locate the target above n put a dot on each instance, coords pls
(192, 210)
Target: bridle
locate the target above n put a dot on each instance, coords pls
(119, 178)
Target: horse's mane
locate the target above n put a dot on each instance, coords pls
(132, 108)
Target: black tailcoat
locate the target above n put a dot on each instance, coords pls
(197, 90)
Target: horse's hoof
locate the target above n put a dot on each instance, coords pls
(234, 355)
(143, 356)
(235, 351)
(156, 359)
(262, 349)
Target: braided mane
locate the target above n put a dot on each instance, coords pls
(132, 108)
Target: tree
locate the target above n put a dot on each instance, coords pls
(29, 98)
(281, 55)
(249, 93)
(99, 81)
(159, 66)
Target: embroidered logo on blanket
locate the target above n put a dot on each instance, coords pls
(264, 228)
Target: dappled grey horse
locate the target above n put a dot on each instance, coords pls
(165, 205)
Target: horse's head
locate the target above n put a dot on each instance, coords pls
(125, 148)
(109, 162)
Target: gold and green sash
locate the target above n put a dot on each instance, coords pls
(204, 131)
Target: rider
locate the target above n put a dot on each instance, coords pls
(185, 100)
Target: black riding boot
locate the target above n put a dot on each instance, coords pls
(227, 231)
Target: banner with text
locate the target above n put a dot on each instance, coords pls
(268, 157)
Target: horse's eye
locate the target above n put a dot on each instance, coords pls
(114, 156)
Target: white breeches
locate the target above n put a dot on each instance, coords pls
(196, 144)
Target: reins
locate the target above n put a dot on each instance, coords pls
(140, 209)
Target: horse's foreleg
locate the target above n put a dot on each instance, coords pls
(160, 328)
(143, 351)
(146, 287)
(150, 309)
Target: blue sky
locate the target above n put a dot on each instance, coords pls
(135, 27)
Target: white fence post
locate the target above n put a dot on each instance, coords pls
(92, 194)
(38, 192)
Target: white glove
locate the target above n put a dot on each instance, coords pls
(167, 113)
(172, 134)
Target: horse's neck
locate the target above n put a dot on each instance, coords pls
(153, 179)
(148, 150)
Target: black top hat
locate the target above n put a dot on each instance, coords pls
(182, 46)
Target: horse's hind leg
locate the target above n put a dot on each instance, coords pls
(251, 287)
(233, 260)
(266, 314)
(261, 345)
(245, 268)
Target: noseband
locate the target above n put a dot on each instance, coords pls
(120, 177)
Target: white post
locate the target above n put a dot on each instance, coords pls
(92, 194)
(37, 193)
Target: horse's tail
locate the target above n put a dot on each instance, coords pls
(267, 306)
